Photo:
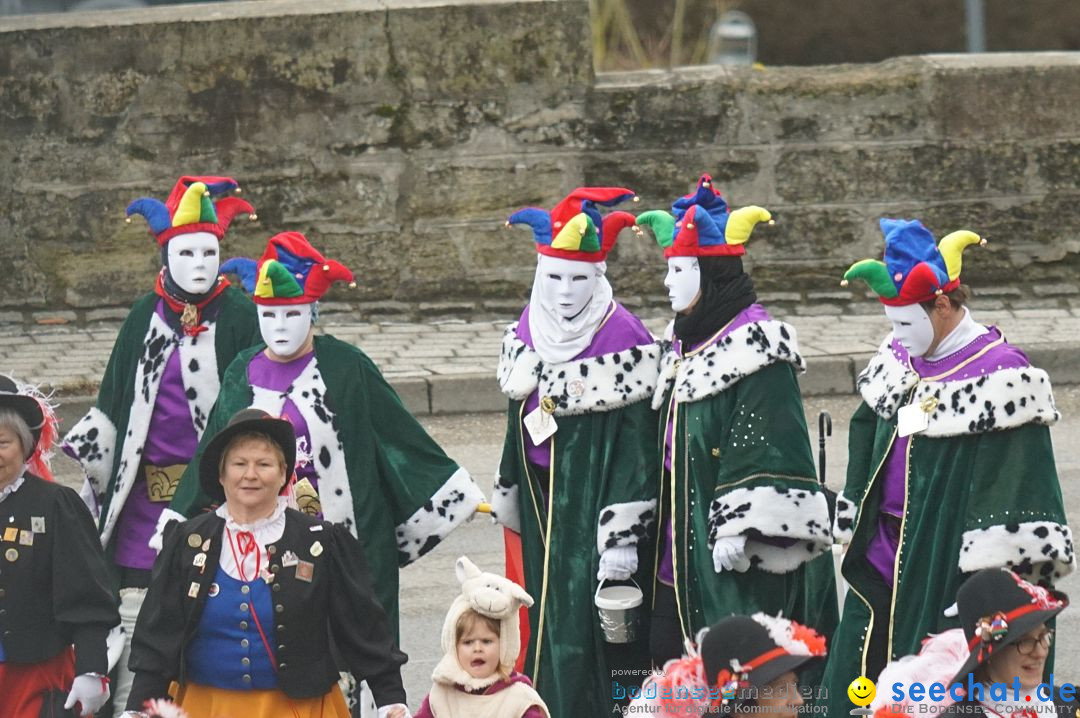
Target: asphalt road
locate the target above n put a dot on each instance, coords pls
(475, 440)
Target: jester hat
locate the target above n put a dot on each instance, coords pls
(700, 225)
(290, 271)
(190, 208)
(915, 268)
(575, 229)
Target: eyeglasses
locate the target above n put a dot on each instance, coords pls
(1026, 646)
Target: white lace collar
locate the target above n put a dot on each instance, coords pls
(13, 486)
(266, 531)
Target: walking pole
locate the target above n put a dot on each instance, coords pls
(824, 431)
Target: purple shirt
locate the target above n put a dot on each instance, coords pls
(620, 331)
(753, 313)
(881, 552)
(268, 374)
(170, 439)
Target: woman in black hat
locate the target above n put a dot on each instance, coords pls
(243, 600)
(1005, 623)
(742, 662)
(1004, 641)
(53, 591)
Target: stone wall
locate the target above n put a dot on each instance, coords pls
(399, 134)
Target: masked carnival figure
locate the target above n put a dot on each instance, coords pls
(950, 470)
(744, 516)
(160, 383)
(578, 475)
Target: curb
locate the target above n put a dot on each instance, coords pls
(442, 395)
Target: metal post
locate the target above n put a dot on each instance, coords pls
(975, 16)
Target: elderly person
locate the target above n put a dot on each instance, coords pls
(245, 599)
(742, 664)
(54, 590)
(579, 463)
(951, 466)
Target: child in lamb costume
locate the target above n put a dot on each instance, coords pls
(476, 677)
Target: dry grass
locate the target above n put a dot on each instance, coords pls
(633, 34)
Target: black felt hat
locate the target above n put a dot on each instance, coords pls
(757, 649)
(244, 421)
(25, 406)
(998, 608)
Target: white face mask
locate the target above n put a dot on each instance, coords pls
(566, 286)
(683, 281)
(285, 328)
(912, 328)
(194, 261)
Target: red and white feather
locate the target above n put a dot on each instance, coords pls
(38, 463)
(796, 639)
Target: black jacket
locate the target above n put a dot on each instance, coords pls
(54, 592)
(337, 604)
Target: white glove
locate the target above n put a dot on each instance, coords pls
(395, 710)
(617, 563)
(729, 554)
(90, 692)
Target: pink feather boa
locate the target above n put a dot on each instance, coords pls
(939, 659)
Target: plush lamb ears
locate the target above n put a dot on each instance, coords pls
(488, 593)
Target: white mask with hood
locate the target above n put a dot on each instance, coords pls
(570, 300)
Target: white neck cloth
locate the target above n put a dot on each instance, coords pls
(967, 331)
(557, 339)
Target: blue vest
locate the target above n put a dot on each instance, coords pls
(227, 651)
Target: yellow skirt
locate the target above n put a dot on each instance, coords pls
(207, 702)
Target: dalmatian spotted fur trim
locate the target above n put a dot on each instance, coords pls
(844, 525)
(504, 505)
(198, 369)
(453, 504)
(600, 383)
(733, 357)
(1005, 399)
(774, 512)
(519, 366)
(197, 354)
(885, 381)
(167, 516)
(158, 345)
(92, 440)
(308, 393)
(624, 524)
(1041, 551)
